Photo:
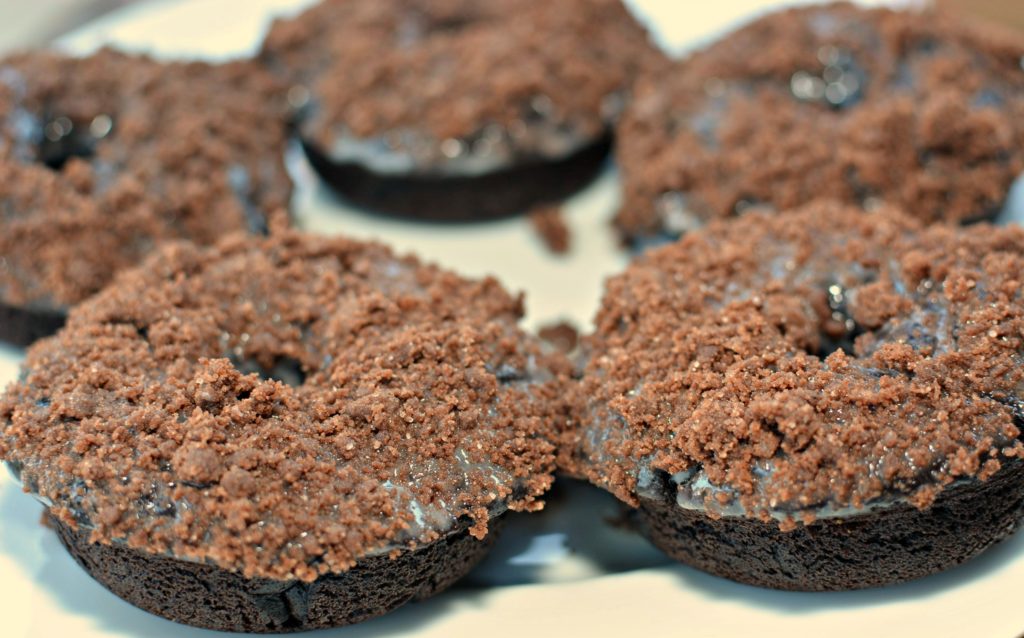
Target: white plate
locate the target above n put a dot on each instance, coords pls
(583, 576)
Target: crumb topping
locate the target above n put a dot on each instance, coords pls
(103, 157)
(283, 407)
(819, 360)
(460, 78)
(913, 109)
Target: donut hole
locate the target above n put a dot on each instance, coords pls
(63, 138)
(829, 345)
(449, 24)
(286, 370)
(838, 330)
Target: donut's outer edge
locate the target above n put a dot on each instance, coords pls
(888, 546)
(489, 196)
(20, 326)
(211, 597)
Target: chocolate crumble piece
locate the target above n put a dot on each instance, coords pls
(458, 110)
(562, 335)
(549, 224)
(790, 398)
(103, 157)
(284, 412)
(910, 109)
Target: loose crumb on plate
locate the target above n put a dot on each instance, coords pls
(547, 220)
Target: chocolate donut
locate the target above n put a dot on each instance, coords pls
(284, 433)
(912, 109)
(821, 400)
(458, 110)
(102, 157)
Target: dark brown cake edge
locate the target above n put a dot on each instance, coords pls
(889, 546)
(210, 597)
(21, 326)
(489, 196)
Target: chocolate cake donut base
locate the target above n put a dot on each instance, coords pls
(208, 596)
(889, 546)
(22, 326)
(483, 197)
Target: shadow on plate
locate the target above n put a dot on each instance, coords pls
(583, 532)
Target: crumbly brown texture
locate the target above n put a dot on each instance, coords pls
(175, 151)
(1005, 12)
(449, 68)
(820, 359)
(562, 335)
(915, 110)
(549, 224)
(408, 401)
